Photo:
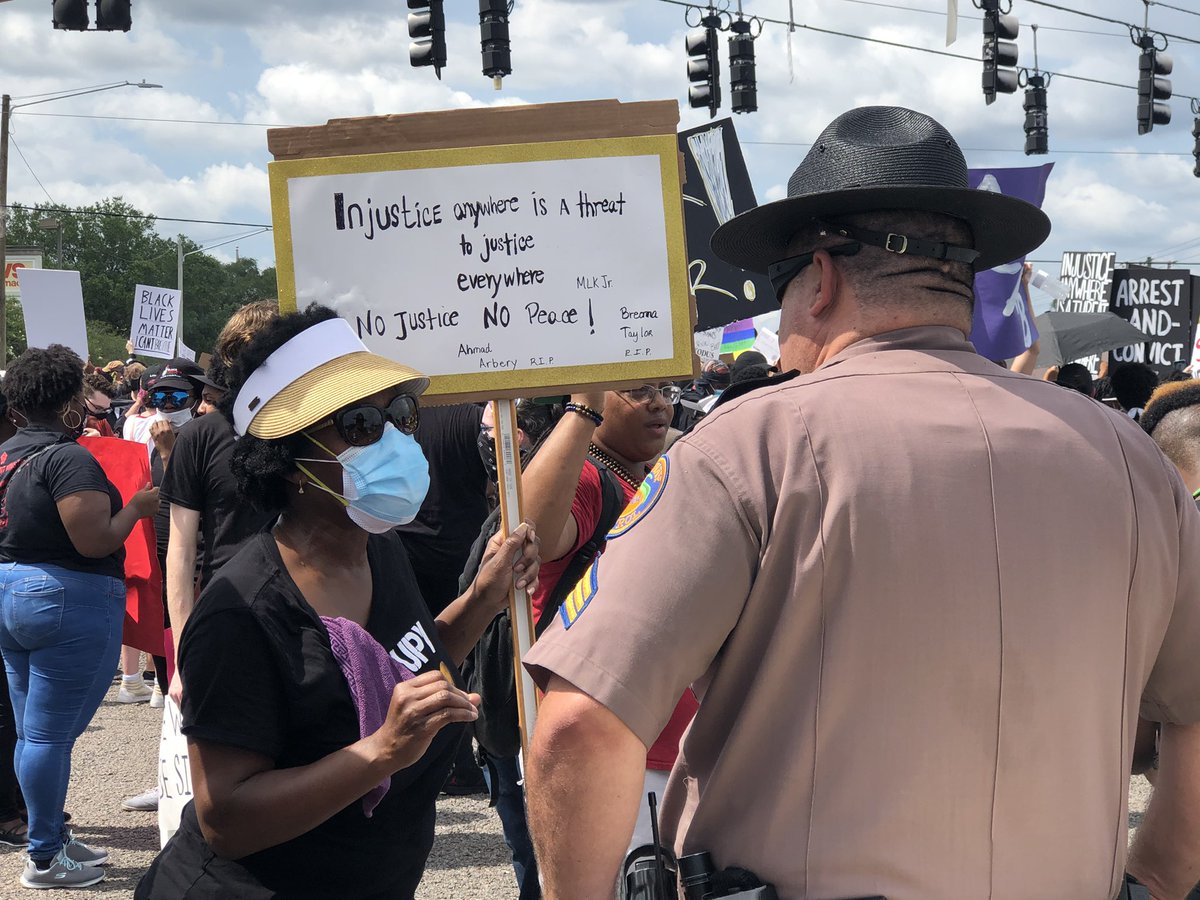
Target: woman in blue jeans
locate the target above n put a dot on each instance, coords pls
(62, 596)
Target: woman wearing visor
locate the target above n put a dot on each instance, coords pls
(319, 719)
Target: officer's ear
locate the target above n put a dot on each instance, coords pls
(825, 286)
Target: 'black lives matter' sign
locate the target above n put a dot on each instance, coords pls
(1157, 302)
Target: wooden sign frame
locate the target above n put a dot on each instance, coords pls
(577, 130)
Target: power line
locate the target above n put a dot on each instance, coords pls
(1190, 12)
(687, 4)
(994, 149)
(117, 215)
(941, 12)
(21, 153)
(1129, 25)
(53, 115)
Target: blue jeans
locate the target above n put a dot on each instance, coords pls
(510, 806)
(60, 633)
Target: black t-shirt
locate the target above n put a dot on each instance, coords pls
(199, 478)
(439, 539)
(261, 676)
(38, 467)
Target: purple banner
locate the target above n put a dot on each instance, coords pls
(1003, 327)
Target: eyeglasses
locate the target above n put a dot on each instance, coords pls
(648, 393)
(362, 424)
(782, 272)
(176, 399)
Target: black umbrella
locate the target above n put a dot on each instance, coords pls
(1067, 336)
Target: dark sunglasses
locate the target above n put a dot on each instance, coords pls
(781, 273)
(362, 424)
(176, 398)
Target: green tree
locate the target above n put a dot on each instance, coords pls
(114, 247)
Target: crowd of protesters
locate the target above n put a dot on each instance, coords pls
(334, 584)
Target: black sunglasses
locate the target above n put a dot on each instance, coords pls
(362, 423)
(782, 272)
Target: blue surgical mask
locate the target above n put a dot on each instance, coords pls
(383, 484)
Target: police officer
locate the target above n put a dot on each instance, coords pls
(906, 689)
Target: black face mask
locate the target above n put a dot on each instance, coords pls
(487, 453)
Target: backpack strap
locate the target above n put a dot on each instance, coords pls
(475, 558)
(613, 501)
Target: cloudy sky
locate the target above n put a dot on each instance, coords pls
(231, 68)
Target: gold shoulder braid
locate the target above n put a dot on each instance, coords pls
(615, 467)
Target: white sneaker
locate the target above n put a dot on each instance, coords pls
(134, 692)
(157, 701)
(146, 801)
(63, 872)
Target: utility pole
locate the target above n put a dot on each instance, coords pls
(179, 287)
(5, 113)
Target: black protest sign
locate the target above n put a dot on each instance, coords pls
(718, 188)
(1157, 302)
(1088, 277)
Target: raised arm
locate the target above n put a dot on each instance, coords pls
(549, 483)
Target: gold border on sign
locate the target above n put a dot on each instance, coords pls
(522, 381)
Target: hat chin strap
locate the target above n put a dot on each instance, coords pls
(902, 244)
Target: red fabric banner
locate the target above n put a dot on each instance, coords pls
(128, 467)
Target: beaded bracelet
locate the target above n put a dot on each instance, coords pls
(587, 412)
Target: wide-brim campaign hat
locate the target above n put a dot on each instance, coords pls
(312, 376)
(883, 158)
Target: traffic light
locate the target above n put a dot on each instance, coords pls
(113, 15)
(1154, 90)
(704, 67)
(743, 91)
(427, 28)
(493, 39)
(71, 15)
(999, 51)
(1037, 133)
(1196, 149)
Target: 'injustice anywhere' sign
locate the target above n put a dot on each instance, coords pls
(1157, 302)
(1088, 277)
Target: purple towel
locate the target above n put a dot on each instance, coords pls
(371, 675)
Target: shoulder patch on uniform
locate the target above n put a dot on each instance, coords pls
(577, 601)
(644, 500)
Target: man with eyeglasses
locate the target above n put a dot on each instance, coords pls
(905, 689)
(602, 435)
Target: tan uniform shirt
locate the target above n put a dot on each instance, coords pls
(921, 599)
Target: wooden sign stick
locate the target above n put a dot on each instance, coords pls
(520, 610)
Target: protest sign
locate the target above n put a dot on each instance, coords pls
(52, 301)
(1157, 302)
(708, 344)
(717, 189)
(498, 270)
(1003, 326)
(1088, 277)
(15, 260)
(155, 321)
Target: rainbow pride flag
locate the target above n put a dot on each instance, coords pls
(738, 337)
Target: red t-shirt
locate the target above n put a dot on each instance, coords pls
(585, 510)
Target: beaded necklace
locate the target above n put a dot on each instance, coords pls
(615, 467)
